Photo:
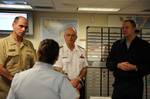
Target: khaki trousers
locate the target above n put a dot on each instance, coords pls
(4, 88)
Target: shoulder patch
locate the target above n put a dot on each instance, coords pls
(80, 47)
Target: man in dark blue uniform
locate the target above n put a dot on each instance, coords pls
(129, 59)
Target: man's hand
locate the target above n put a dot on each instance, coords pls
(75, 82)
(5, 73)
(126, 66)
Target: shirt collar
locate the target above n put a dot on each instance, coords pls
(42, 65)
(12, 41)
(67, 49)
(135, 39)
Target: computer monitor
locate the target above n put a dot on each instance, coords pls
(7, 18)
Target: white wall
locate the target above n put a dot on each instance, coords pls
(83, 20)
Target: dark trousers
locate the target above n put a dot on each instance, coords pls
(128, 90)
(82, 90)
(82, 93)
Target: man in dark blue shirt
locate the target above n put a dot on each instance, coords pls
(129, 59)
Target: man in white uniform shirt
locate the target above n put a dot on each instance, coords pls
(41, 81)
(72, 59)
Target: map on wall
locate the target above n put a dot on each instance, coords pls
(53, 28)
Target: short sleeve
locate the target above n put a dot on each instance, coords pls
(85, 63)
(2, 53)
(85, 60)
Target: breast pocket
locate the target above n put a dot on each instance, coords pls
(65, 61)
(12, 57)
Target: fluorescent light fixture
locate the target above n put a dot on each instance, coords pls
(15, 6)
(98, 9)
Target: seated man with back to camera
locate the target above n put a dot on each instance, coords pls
(41, 81)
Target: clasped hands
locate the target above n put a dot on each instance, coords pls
(76, 83)
(126, 66)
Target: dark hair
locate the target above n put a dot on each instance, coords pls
(48, 51)
(132, 22)
(17, 18)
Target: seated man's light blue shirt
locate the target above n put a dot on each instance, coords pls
(41, 82)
